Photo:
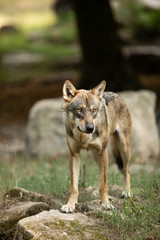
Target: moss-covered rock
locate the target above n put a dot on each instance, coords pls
(56, 225)
(9, 217)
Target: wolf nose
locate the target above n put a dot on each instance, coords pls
(89, 128)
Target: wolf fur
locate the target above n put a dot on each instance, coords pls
(91, 118)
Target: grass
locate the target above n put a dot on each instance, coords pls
(141, 22)
(141, 217)
(137, 218)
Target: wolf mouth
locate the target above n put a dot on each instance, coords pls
(80, 130)
(87, 132)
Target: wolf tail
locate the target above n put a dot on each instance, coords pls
(116, 152)
(119, 162)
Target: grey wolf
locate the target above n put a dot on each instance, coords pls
(91, 118)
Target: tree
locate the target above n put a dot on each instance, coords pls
(102, 55)
(101, 46)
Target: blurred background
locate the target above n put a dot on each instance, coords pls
(43, 43)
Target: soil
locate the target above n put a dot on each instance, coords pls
(16, 99)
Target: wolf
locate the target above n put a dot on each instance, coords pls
(92, 117)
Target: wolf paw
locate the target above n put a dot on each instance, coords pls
(68, 208)
(108, 206)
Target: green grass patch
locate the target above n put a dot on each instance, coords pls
(139, 218)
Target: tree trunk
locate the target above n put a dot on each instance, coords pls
(102, 56)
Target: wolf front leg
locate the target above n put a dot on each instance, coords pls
(103, 189)
(74, 165)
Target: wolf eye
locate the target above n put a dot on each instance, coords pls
(80, 110)
(94, 110)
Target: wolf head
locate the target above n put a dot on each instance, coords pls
(82, 106)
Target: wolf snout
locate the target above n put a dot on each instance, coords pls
(89, 128)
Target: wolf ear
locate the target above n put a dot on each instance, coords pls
(98, 91)
(69, 91)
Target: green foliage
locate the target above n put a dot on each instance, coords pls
(141, 21)
(66, 17)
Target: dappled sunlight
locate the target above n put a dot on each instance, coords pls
(27, 15)
(36, 20)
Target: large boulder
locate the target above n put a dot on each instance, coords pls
(10, 216)
(45, 132)
(144, 135)
(21, 194)
(55, 225)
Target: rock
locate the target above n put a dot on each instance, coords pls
(20, 58)
(144, 135)
(138, 168)
(115, 190)
(10, 217)
(35, 36)
(45, 134)
(55, 225)
(151, 4)
(94, 206)
(9, 29)
(24, 195)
